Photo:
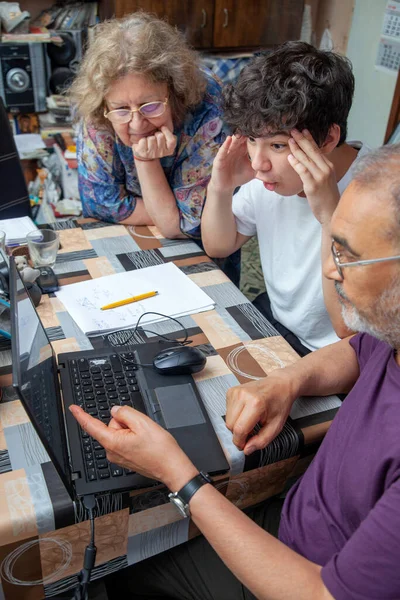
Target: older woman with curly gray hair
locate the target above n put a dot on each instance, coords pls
(150, 126)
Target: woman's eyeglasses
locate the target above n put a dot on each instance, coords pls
(149, 110)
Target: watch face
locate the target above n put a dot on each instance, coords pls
(180, 505)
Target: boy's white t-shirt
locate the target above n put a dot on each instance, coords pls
(289, 237)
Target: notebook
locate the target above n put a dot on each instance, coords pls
(177, 296)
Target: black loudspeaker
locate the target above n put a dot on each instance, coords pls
(23, 84)
(63, 61)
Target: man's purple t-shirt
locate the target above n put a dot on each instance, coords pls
(344, 514)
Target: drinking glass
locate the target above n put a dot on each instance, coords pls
(43, 245)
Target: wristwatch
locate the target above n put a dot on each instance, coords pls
(181, 499)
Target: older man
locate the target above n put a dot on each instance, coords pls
(339, 533)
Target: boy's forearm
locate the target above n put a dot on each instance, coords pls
(218, 225)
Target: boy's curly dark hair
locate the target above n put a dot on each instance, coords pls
(296, 85)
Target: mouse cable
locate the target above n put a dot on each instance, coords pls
(81, 591)
(164, 339)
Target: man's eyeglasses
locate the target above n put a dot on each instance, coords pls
(356, 263)
(150, 110)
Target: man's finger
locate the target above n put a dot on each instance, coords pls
(114, 424)
(92, 426)
(260, 440)
(234, 406)
(244, 425)
(232, 414)
(128, 416)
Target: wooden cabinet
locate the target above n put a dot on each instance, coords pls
(222, 24)
(251, 23)
(195, 19)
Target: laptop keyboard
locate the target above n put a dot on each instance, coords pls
(98, 385)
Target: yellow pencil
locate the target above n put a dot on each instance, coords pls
(129, 300)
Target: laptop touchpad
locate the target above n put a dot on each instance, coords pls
(179, 406)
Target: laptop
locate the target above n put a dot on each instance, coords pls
(96, 380)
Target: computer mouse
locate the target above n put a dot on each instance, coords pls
(179, 360)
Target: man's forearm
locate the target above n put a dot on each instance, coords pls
(218, 226)
(263, 564)
(330, 370)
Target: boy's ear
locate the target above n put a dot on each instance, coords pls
(331, 140)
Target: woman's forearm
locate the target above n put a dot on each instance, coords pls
(140, 216)
(159, 200)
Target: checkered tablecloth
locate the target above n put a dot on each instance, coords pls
(43, 533)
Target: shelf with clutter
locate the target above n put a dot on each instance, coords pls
(40, 51)
(47, 151)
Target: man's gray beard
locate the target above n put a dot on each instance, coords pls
(383, 318)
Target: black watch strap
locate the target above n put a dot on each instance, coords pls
(188, 490)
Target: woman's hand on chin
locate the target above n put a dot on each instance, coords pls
(162, 143)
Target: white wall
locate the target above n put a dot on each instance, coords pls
(374, 89)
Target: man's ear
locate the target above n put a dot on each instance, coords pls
(331, 140)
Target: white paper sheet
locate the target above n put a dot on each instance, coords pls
(17, 229)
(177, 296)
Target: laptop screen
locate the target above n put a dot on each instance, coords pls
(35, 374)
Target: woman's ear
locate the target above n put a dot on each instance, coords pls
(331, 140)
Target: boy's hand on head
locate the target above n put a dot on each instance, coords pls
(231, 166)
(317, 174)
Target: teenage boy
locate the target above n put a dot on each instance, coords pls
(288, 111)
